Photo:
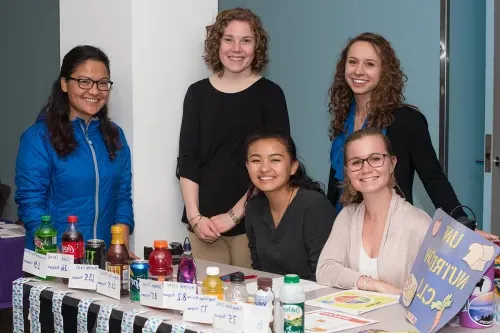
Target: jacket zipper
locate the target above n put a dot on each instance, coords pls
(96, 168)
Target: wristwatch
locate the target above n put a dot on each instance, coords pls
(235, 218)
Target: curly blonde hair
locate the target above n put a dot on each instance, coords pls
(386, 96)
(216, 31)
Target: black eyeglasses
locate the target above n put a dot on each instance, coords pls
(374, 160)
(87, 84)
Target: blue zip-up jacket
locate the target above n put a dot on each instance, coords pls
(86, 183)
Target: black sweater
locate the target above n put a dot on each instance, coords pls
(212, 140)
(411, 143)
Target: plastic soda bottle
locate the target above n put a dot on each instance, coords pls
(186, 272)
(160, 262)
(212, 285)
(46, 238)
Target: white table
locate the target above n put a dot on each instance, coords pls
(390, 318)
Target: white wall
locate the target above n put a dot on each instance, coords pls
(155, 49)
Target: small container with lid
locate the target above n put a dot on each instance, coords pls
(265, 296)
(160, 262)
(212, 285)
(237, 290)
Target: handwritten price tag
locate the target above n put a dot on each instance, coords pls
(151, 293)
(229, 316)
(256, 319)
(35, 263)
(200, 309)
(175, 294)
(58, 264)
(83, 277)
(108, 283)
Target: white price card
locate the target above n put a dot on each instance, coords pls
(200, 309)
(108, 283)
(83, 277)
(256, 319)
(35, 263)
(175, 294)
(151, 293)
(58, 264)
(229, 316)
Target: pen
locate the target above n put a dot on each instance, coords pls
(247, 277)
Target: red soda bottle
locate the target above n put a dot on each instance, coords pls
(160, 262)
(72, 242)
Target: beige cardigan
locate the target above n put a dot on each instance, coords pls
(405, 229)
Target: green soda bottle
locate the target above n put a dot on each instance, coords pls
(46, 238)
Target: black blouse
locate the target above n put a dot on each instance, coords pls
(295, 245)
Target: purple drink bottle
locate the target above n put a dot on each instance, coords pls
(187, 267)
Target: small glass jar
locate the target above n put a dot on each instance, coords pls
(237, 290)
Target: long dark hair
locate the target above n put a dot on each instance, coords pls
(300, 178)
(57, 108)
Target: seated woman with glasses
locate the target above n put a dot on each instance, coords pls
(289, 219)
(74, 160)
(377, 235)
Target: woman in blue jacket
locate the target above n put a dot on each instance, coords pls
(74, 160)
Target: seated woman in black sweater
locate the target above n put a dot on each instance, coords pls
(289, 219)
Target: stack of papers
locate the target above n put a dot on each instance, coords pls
(278, 282)
(11, 230)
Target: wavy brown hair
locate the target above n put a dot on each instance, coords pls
(56, 110)
(386, 96)
(347, 197)
(216, 31)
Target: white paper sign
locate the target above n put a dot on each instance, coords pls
(58, 264)
(83, 277)
(151, 293)
(175, 294)
(229, 316)
(108, 283)
(200, 309)
(35, 263)
(256, 319)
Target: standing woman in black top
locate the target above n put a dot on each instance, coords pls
(367, 90)
(219, 112)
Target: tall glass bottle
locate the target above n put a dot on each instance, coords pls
(117, 259)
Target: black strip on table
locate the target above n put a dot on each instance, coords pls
(69, 312)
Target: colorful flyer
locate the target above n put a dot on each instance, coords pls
(450, 263)
(330, 321)
(354, 301)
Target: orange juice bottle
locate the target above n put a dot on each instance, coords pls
(212, 285)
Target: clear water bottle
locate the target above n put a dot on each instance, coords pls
(237, 290)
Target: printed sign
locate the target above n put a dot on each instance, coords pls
(451, 261)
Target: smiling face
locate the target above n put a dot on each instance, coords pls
(269, 165)
(363, 68)
(368, 164)
(86, 103)
(237, 47)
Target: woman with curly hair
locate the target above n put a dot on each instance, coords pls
(74, 160)
(219, 113)
(367, 91)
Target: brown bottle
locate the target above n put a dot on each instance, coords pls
(117, 258)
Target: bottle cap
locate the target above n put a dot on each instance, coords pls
(187, 245)
(46, 218)
(160, 244)
(116, 229)
(237, 277)
(265, 282)
(72, 219)
(292, 278)
(213, 271)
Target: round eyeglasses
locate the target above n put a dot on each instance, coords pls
(87, 84)
(374, 160)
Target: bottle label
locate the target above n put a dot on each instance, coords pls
(74, 248)
(293, 317)
(123, 271)
(43, 243)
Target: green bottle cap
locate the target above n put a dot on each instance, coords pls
(292, 278)
(46, 218)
